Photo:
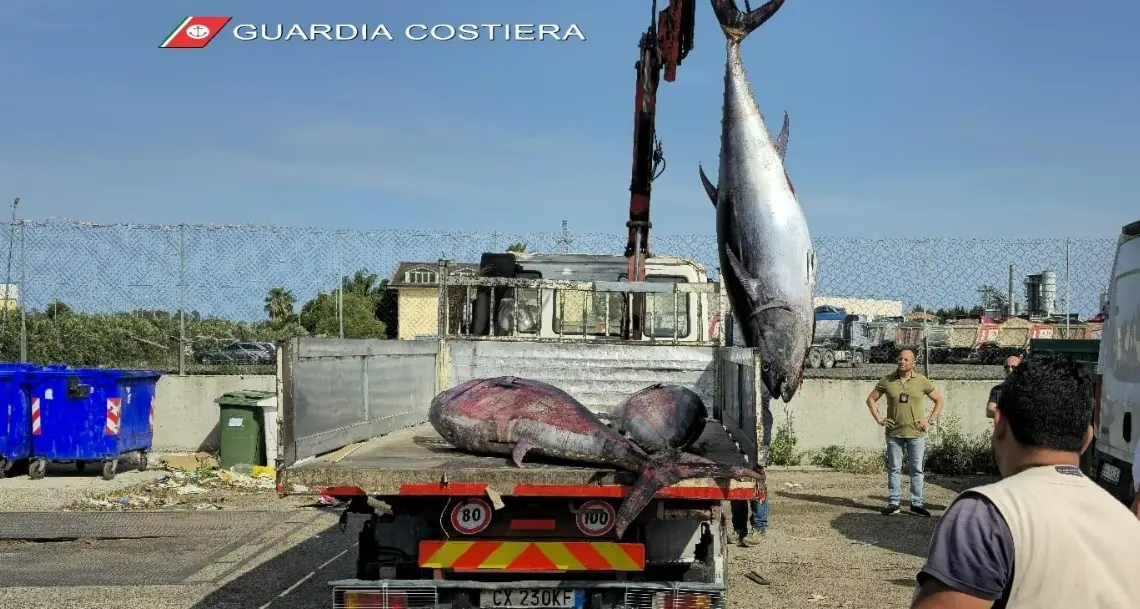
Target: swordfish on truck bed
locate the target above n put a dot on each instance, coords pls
(514, 416)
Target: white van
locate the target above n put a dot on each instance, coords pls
(1118, 371)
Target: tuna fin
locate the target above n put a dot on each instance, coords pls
(669, 467)
(738, 24)
(782, 139)
(709, 188)
(520, 450)
(752, 286)
(505, 381)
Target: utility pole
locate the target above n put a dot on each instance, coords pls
(22, 294)
(11, 247)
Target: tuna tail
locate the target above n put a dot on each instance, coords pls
(738, 24)
(667, 468)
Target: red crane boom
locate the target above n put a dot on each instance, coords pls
(663, 46)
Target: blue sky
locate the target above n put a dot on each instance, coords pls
(967, 118)
(909, 119)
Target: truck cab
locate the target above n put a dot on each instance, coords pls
(572, 309)
(1118, 371)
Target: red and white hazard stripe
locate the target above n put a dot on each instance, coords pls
(36, 430)
(114, 412)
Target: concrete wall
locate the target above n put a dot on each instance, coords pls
(824, 411)
(834, 411)
(185, 414)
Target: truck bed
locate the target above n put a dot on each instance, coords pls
(417, 461)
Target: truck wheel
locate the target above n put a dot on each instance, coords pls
(5, 465)
(814, 358)
(856, 359)
(828, 359)
(37, 469)
(109, 469)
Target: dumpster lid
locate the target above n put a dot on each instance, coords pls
(244, 397)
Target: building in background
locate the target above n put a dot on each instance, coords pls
(874, 307)
(9, 296)
(417, 292)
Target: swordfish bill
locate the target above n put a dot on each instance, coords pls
(767, 261)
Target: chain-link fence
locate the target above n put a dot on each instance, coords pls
(181, 297)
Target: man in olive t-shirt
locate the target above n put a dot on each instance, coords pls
(906, 424)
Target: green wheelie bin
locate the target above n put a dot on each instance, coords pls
(242, 433)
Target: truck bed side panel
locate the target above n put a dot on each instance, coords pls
(339, 391)
(599, 375)
(740, 393)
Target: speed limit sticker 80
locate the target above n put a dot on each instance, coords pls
(595, 518)
(472, 516)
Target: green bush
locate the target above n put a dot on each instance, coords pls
(783, 447)
(949, 452)
(844, 460)
(952, 452)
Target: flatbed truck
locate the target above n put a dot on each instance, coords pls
(444, 528)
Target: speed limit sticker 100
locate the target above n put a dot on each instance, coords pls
(472, 516)
(595, 518)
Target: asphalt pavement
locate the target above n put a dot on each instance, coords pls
(174, 560)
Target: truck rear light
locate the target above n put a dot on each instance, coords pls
(681, 600)
(374, 599)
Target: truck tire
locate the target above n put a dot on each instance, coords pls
(856, 359)
(814, 358)
(828, 359)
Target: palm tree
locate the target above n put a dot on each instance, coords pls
(517, 247)
(279, 303)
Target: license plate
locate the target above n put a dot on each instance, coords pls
(1110, 473)
(535, 597)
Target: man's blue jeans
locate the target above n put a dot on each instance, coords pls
(916, 454)
(759, 514)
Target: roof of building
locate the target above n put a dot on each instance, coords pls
(398, 279)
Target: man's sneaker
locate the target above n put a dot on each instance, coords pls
(921, 511)
(891, 510)
(752, 538)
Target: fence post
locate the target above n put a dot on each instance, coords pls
(23, 294)
(926, 307)
(340, 282)
(443, 311)
(1068, 283)
(181, 300)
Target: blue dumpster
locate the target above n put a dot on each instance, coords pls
(88, 415)
(15, 418)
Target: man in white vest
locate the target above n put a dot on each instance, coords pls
(1044, 536)
(1136, 481)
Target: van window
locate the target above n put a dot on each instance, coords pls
(572, 307)
(1123, 325)
(661, 320)
(523, 305)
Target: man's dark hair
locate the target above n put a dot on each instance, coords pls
(912, 353)
(1048, 402)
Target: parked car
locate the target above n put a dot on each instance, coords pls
(238, 353)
